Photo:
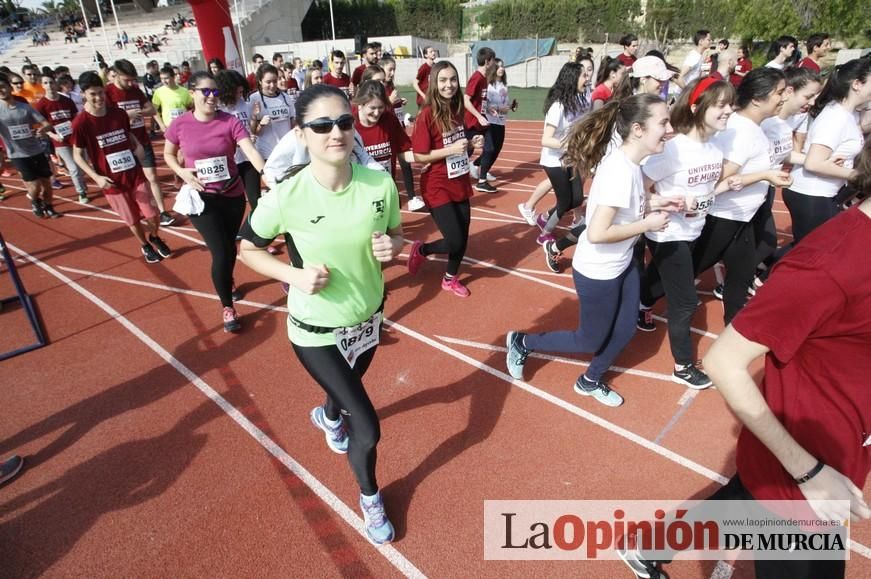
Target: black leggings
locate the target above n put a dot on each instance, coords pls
(407, 177)
(494, 138)
(346, 397)
(251, 179)
(749, 508)
(452, 220)
(671, 273)
(735, 244)
(568, 189)
(219, 224)
(765, 230)
(808, 212)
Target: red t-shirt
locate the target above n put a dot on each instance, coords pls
(716, 75)
(744, 65)
(252, 81)
(601, 93)
(389, 88)
(60, 114)
(385, 140)
(814, 314)
(339, 81)
(626, 59)
(130, 99)
(292, 88)
(477, 91)
(436, 187)
(183, 78)
(108, 136)
(808, 63)
(357, 75)
(423, 80)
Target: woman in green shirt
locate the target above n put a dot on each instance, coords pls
(344, 222)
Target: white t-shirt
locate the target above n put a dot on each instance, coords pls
(556, 117)
(838, 129)
(693, 60)
(497, 97)
(242, 111)
(685, 168)
(743, 143)
(281, 110)
(799, 122)
(774, 64)
(779, 133)
(618, 183)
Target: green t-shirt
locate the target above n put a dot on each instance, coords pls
(172, 103)
(332, 228)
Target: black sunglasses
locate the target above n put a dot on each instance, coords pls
(207, 92)
(323, 125)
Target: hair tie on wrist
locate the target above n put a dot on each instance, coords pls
(700, 88)
(810, 474)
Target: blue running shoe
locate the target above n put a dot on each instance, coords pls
(337, 436)
(378, 528)
(517, 354)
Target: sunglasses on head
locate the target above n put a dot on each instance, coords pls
(207, 92)
(324, 125)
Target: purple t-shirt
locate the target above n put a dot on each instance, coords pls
(210, 148)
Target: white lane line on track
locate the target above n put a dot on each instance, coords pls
(560, 359)
(350, 516)
(589, 416)
(521, 269)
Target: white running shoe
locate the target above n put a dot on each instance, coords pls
(491, 176)
(527, 214)
(475, 171)
(416, 204)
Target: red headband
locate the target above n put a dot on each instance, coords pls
(700, 88)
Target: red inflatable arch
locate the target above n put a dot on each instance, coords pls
(217, 34)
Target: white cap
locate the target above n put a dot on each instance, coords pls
(651, 66)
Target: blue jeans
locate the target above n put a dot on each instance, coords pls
(609, 310)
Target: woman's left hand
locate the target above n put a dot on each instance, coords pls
(478, 141)
(382, 246)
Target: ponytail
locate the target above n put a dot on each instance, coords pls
(589, 138)
(838, 84)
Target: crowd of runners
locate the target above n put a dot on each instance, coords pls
(683, 163)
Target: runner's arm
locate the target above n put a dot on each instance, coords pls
(252, 154)
(728, 364)
(85, 165)
(467, 102)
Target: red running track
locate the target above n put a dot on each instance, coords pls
(157, 445)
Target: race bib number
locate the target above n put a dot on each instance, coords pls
(64, 129)
(175, 113)
(212, 170)
(279, 114)
(137, 123)
(699, 205)
(458, 165)
(354, 341)
(121, 161)
(18, 132)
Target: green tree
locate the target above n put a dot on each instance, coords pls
(567, 20)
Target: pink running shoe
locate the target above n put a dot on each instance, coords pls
(541, 220)
(415, 258)
(454, 285)
(544, 238)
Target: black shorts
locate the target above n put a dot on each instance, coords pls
(148, 157)
(33, 168)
